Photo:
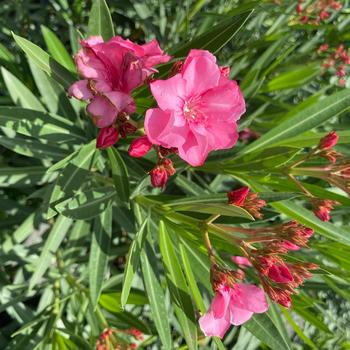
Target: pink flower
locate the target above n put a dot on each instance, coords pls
(107, 137)
(111, 70)
(241, 260)
(139, 147)
(232, 306)
(198, 109)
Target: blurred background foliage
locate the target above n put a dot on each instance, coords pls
(274, 57)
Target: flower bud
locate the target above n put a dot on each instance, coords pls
(322, 213)
(168, 166)
(159, 177)
(241, 260)
(238, 197)
(139, 147)
(225, 71)
(328, 141)
(280, 274)
(107, 137)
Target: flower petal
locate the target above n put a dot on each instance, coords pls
(239, 316)
(102, 111)
(212, 326)
(201, 74)
(169, 93)
(80, 90)
(249, 297)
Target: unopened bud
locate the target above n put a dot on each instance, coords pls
(139, 147)
(107, 137)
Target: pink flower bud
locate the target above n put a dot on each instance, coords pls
(139, 147)
(290, 246)
(323, 15)
(107, 137)
(322, 213)
(328, 141)
(299, 8)
(323, 48)
(168, 166)
(159, 177)
(225, 71)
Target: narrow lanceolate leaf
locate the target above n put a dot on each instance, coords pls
(178, 288)
(307, 119)
(45, 62)
(100, 21)
(52, 243)
(99, 251)
(133, 262)
(87, 204)
(73, 175)
(215, 38)
(261, 326)
(155, 295)
(57, 49)
(20, 94)
(39, 125)
(307, 218)
(120, 174)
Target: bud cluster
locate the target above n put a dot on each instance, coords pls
(316, 12)
(107, 339)
(336, 61)
(279, 277)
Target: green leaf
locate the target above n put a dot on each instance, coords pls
(45, 62)
(73, 175)
(178, 288)
(87, 204)
(261, 326)
(307, 119)
(52, 243)
(39, 125)
(296, 77)
(53, 94)
(133, 262)
(23, 176)
(215, 208)
(120, 174)
(19, 93)
(57, 49)
(100, 20)
(307, 218)
(155, 294)
(32, 148)
(215, 38)
(99, 251)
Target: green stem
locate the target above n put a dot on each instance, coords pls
(212, 218)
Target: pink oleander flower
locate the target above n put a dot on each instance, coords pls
(198, 109)
(232, 306)
(107, 137)
(110, 71)
(241, 260)
(139, 147)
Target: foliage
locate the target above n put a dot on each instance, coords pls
(87, 243)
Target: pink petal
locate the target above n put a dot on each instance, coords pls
(198, 53)
(103, 112)
(290, 246)
(222, 135)
(121, 101)
(212, 326)
(195, 150)
(169, 93)
(201, 75)
(92, 40)
(154, 54)
(249, 297)
(220, 303)
(80, 90)
(241, 260)
(160, 129)
(239, 316)
(223, 103)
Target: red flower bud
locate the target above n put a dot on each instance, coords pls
(328, 141)
(299, 8)
(280, 274)
(238, 197)
(323, 15)
(139, 147)
(159, 177)
(107, 137)
(225, 71)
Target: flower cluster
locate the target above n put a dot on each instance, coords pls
(316, 12)
(335, 61)
(198, 105)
